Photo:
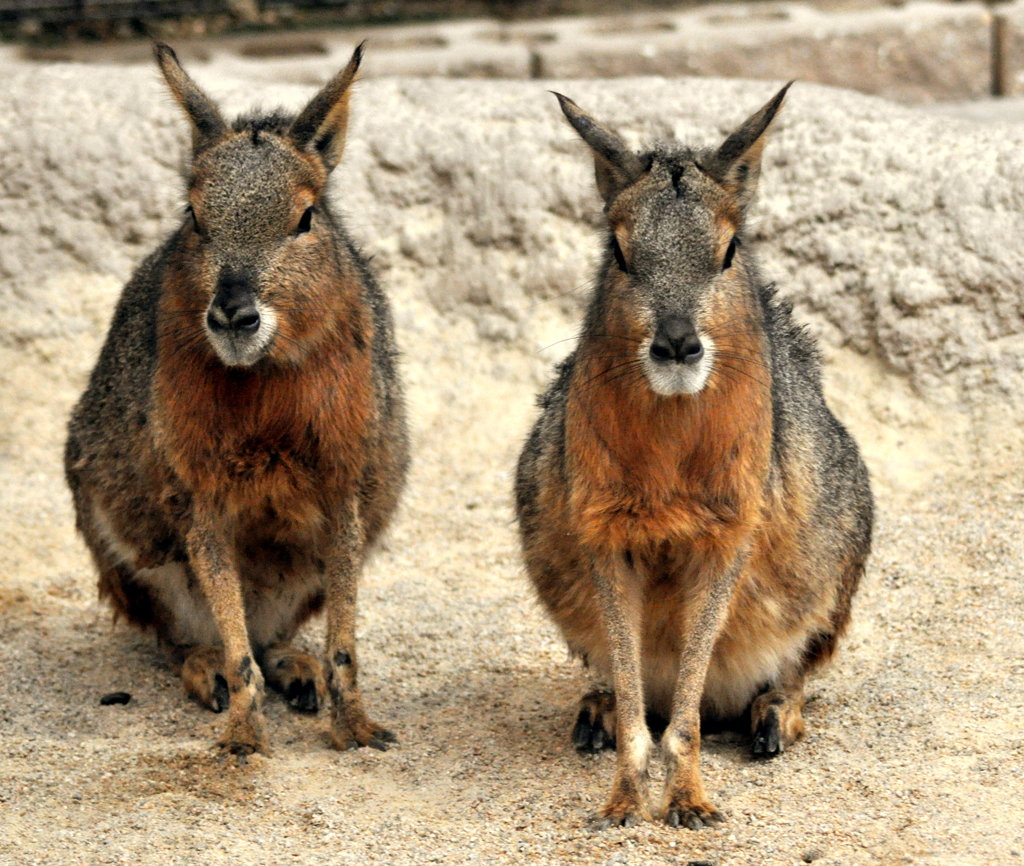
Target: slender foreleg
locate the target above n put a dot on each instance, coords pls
(685, 803)
(210, 550)
(620, 591)
(350, 726)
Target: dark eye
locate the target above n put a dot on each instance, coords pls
(195, 221)
(620, 259)
(729, 253)
(305, 222)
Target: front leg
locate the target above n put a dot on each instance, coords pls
(685, 804)
(350, 726)
(211, 553)
(621, 592)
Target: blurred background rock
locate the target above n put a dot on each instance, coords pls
(911, 52)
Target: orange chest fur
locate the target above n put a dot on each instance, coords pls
(646, 470)
(285, 440)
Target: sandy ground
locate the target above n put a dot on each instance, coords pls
(914, 750)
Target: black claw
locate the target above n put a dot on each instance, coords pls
(693, 822)
(590, 736)
(597, 823)
(221, 697)
(582, 731)
(386, 736)
(379, 745)
(767, 737)
(302, 696)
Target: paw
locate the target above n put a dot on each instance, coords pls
(768, 735)
(243, 738)
(621, 811)
(202, 675)
(345, 736)
(776, 722)
(299, 677)
(693, 816)
(595, 725)
(606, 822)
(625, 808)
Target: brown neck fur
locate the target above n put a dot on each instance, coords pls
(647, 468)
(274, 433)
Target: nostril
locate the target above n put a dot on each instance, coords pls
(692, 350)
(247, 319)
(662, 351)
(216, 322)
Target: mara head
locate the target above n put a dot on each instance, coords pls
(675, 274)
(257, 261)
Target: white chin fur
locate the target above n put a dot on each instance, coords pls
(244, 350)
(669, 380)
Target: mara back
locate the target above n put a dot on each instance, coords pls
(692, 515)
(241, 443)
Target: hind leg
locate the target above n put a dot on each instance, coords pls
(595, 724)
(202, 675)
(296, 675)
(776, 716)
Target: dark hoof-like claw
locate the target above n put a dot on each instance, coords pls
(221, 698)
(693, 817)
(606, 822)
(239, 750)
(768, 737)
(302, 696)
(589, 737)
(595, 724)
(380, 739)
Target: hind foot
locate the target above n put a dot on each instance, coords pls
(352, 734)
(244, 737)
(776, 721)
(693, 815)
(202, 675)
(595, 725)
(296, 675)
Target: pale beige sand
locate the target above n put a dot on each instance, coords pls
(914, 751)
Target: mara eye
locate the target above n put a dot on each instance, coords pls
(729, 253)
(620, 259)
(305, 222)
(195, 221)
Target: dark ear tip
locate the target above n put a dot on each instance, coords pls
(569, 108)
(357, 58)
(161, 51)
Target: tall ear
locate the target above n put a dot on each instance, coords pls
(615, 165)
(737, 163)
(321, 126)
(207, 124)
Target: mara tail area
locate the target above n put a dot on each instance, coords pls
(692, 515)
(241, 443)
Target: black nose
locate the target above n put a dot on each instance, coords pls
(234, 307)
(676, 341)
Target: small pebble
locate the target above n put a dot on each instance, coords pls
(813, 854)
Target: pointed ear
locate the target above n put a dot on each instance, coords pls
(321, 126)
(615, 165)
(207, 124)
(737, 163)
